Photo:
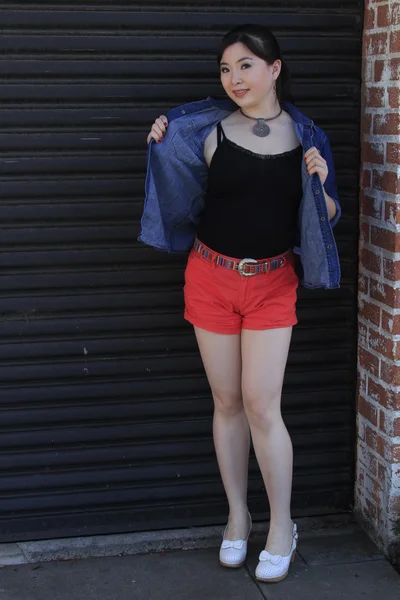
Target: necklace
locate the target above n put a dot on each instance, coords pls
(261, 129)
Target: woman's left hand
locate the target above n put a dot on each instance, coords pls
(316, 164)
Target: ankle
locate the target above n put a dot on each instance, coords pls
(239, 513)
(280, 526)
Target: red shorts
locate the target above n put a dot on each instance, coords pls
(221, 300)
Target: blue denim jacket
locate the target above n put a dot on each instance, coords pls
(176, 184)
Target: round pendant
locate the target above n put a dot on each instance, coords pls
(261, 129)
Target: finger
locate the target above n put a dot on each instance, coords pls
(158, 132)
(161, 124)
(317, 169)
(156, 136)
(312, 153)
(321, 172)
(153, 136)
(164, 120)
(317, 162)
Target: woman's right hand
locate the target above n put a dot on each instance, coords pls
(158, 129)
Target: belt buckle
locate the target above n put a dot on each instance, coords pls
(241, 265)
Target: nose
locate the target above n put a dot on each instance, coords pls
(236, 77)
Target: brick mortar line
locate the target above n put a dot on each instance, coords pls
(364, 376)
(372, 248)
(375, 404)
(386, 197)
(382, 56)
(382, 461)
(376, 140)
(381, 85)
(380, 282)
(385, 253)
(380, 195)
(388, 167)
(368, 83)
(381, 29)
(379, 223)
(380, 110)
(390, 336)
(386, 386)
(365, 271)
(395, 285)
(383, 486)
(382, 332)
(392, 441)
(378, 304)
(387, 361)
(387, 84)
(367, 220)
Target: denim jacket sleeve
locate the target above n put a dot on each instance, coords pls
(330, 183)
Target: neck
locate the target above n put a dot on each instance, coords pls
(264, 110)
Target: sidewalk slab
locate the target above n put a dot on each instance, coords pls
(332, 564)
(356, 581)
(183, 575)
(348, 545)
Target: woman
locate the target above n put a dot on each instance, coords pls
(240, 183)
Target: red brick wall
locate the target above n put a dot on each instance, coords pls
(378, 442)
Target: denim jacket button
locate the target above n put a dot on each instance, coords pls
(329, 246)
(184, 112)
(317, 192)
(322, 218)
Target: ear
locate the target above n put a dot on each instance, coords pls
(276, 68)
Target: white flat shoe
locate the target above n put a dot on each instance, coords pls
(233, 553)
(273, 567)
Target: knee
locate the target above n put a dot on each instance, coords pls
(228, 402)
(262, 408)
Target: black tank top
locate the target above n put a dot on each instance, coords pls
(252, 201)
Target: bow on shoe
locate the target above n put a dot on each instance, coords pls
(238, 544)
(275, 559)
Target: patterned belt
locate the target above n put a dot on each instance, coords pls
(247, 267)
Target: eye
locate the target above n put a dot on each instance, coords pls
(224, 70)
(246, 66)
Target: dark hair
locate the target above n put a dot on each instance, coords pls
(260, 41)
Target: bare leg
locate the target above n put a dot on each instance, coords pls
(264, 356)
(221, 356)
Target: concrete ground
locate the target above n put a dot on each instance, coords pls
(332, 563)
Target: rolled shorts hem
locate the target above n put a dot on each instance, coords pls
(237, 330)
(211, 327)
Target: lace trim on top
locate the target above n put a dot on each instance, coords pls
(263, 156)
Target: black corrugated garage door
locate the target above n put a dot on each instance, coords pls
(105, 413)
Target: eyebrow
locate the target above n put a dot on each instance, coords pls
(240, 60)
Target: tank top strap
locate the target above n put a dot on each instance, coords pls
(220, 133)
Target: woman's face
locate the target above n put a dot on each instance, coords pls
(246, 78)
